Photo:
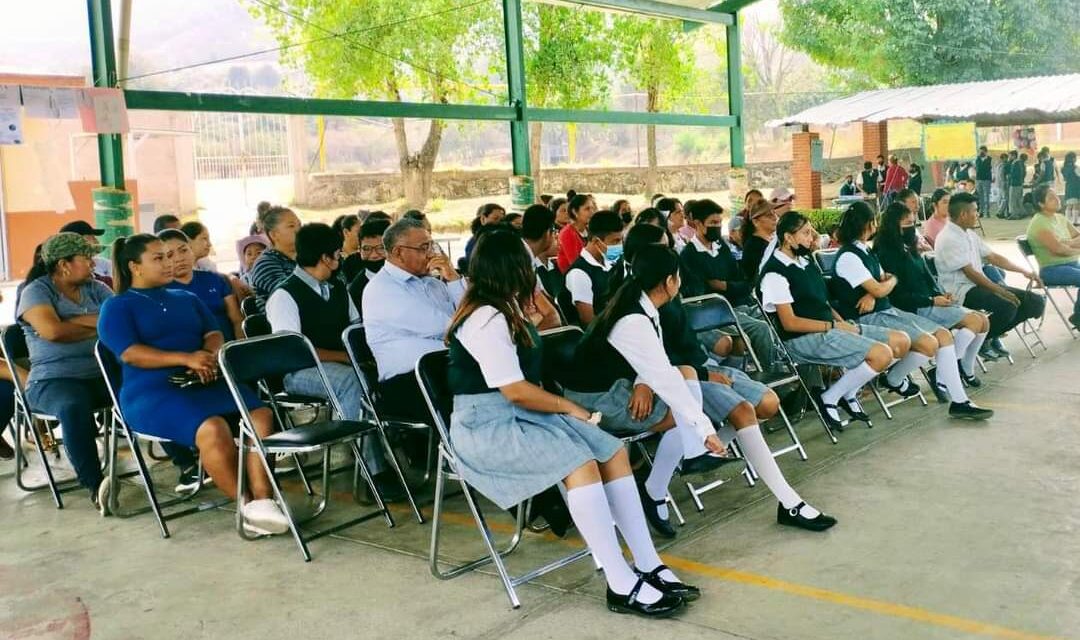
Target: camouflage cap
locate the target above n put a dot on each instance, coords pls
(63, 246)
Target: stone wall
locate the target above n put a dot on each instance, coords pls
(328, 190)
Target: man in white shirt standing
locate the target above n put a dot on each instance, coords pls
(316, 304)
(959, 255)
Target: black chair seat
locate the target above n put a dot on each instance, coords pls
(296, 398)
(771, 377)
(318, 434)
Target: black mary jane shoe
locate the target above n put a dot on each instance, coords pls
(823, 411)
(705, 463)
(687, 592)
(969, 379)
(792, 518)
(940, 392)
(906, 388)
(855, 413)
(660, 526)
(667, 605)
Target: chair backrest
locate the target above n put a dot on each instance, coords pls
(254, 359)
(256, 325)
(1025, 246)
(826, 261)
(560, 345)
(111, 371)
(249, 306)
(432, 378)
(930, 264)
(13, 347)
(363, 362)
(708, 312)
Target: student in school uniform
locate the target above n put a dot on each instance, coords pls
(862, 291)
(587, 279)
(728, 396)
(513, 439)
(794, 294)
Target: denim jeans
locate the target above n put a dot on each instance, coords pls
(73, 402)
(982, 190)
(1063, 274)
(995, 274)
(346, 387)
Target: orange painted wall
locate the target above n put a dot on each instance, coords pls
(28, 229)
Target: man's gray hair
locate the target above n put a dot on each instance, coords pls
(396, 231)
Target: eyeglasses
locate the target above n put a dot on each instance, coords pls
(368, 250)
(427, 247)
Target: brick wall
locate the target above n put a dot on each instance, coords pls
(875, 140)
(807, 183)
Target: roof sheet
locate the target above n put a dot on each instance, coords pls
(1036, 100)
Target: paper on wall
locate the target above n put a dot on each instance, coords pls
(38, 102)
(10, 115)
(103, 111)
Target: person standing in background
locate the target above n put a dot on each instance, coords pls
(984, 178)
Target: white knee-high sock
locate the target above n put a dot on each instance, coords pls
(693, 445)
(948, 372)
(852, 380)
(968, 357)
(912, 361)
(668, 455)
(622, 496)
(589, 508)
(962, 338)
(756, 450)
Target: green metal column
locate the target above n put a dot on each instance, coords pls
(515, 76)
(735, 92)
(110, 146)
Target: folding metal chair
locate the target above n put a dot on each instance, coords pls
(363, 363)
(14, 349)
(559, 346)
(246, 363)
(249, 306)
(1024, 245)
(431, 375)
(111, 370)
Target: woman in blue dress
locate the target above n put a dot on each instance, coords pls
(157, 332)
(513, 439)
(210, 287)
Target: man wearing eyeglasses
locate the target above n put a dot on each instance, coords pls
(407, 307)
(369, 259)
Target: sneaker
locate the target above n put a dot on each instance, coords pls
(906, 388)
(100, 498)
(969, 411)
(265, 515)
(999, 348)
(987, 352)
(188, 481)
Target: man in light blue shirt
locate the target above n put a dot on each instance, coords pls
(407, 308)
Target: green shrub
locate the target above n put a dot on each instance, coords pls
(822, 219)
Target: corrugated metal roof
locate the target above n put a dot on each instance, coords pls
(1037, 100)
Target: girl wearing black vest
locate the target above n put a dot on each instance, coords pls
(728, 396)
(794, 294)
(513, 440)
(917, 292)
(862, 291)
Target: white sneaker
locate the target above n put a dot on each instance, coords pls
(101, 501)
(265, 515)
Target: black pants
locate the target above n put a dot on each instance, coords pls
(400, 398)
(1003, 314)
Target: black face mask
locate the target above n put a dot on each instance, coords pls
(713, 234)
(372, 265)
(908, 235)
(801, 251)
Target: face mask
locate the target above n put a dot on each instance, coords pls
(372, 265)
(613, 252)
(713, 234)
(908, 234)
(801, 251)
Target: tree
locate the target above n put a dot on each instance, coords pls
(425, 50)
(568, 53)
(657, 57)
(919, 42)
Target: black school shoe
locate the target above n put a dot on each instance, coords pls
(666, 606)
(704, 463)
(940, 392)
(969, 411)
(687, 592)
(856, 414)
(906, 388)
(969, 379)
(792, 518)
(660, 526)
(823, 410)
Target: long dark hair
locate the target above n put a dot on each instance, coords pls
(650, 215)
(856, 218)
(790, 222)
(345, 223)
(889, 238)
(173, 234)
(39, 268)
(500, 275)
(639, 236)
(125, 251)
(652, 265)
(483, 212)
(192, 229)
(577, 202)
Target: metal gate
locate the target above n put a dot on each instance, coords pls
(240, 145)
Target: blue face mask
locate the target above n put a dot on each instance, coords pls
(613, 252)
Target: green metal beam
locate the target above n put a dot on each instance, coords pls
(735, 94)
(731, 6)
(631, 117)
(653, 8)
(110, 146)
(178, 101)
(515, 74)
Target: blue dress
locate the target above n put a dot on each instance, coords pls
(212, 288)
(168, 320)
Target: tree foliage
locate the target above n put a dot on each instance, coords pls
(920, 42)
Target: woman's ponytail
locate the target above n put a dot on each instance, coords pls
(121, 269)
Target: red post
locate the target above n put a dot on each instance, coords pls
(807, 183)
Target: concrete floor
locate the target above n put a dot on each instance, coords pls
(947, 530)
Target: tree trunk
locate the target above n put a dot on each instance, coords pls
(536, 131)
(416, 168)
(650, 143)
